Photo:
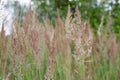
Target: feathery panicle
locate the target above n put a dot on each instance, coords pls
(4, 39)
(66, 51)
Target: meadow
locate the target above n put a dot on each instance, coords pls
(67, 50)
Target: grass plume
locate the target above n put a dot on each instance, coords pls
(66, 51)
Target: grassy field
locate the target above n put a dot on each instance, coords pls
(66, 51)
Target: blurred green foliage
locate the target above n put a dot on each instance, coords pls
(91, 10)
(116, 17)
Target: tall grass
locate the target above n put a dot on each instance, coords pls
(67, 51)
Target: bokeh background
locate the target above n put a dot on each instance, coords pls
(91, 10)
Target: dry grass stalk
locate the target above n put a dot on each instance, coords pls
(106, 43)
(4, 39)
(32, 38)
(81, 35)
(3, 54)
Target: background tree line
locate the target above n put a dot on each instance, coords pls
(91, 10)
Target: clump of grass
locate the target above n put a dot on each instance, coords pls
(66, 51)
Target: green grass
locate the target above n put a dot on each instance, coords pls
(45, 53)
